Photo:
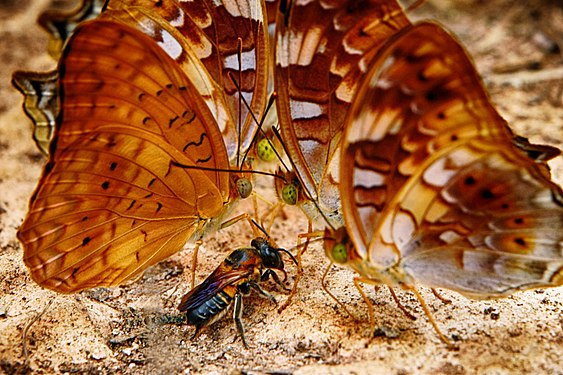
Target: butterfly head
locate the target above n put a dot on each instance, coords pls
(338, 246)
(243, 187)
(289, 188)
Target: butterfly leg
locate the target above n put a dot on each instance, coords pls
(253, 224)
(197, 244)
(400, 305)
(371, 313)
(431, 318)
(333, 296)
(300, 251)
(441, 297)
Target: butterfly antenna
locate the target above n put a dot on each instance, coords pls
(184, 166)
(104, 7)
(277, 134)
(240, 99)
(414, 6)
(260, 123)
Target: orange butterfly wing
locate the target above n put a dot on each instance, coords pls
(203, 37)
(115, 196)
(439, 191)
(321, 53)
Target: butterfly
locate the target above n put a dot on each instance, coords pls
(321, 54)
(138, 165)
(438, 191)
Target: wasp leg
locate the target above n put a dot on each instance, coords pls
(266, 276)
(237, 314)
(262, 292)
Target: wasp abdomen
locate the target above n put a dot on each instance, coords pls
(210, 310)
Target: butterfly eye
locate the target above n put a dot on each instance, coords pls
(339, 253)
(265, 150)
(244, 187)
(289, 194)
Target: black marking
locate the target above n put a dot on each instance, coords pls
(85, 218)
(518, 220)
(145, 235)
(148, 195)
(141, 96)
(146, 119)
(191, 118)
(431, 96)
(112, 166)
(86, 241)
(172, 121)
(131, 205)
(183, 88)
(441, 115)
(487, 194)
(197, 144)
(169, 86)
(105, 185)
(159, 92)
(117, 66)
(151, 182)
(159, 206)
(111, 142)
(422, 77)
(469, 180)
(137, 256)
(453, 138)
(520, 241)
(505, 206)
(203, 160)
(158, 3)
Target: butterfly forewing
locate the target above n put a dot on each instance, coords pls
(321, 53)
(439, 189)
(203, 37)
(116, 195)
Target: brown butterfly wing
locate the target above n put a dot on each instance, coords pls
(114, 197)
(440, 189)
(321, 53)
(206, 44)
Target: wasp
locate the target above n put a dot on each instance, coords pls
(243, 270)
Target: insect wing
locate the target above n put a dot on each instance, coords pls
(111, 202)
(439, 187)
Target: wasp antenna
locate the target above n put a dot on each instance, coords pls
(290, 255)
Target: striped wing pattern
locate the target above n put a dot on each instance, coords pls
(441, 193)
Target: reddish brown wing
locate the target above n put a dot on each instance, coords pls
(321, 53)
(203, 37)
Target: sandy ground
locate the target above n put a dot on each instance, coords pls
(121, 330)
